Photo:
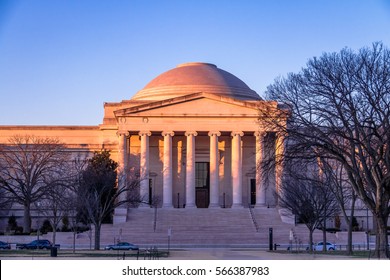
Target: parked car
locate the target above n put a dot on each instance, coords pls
(36, 244)
(5, 246)
(122, 246)
(329, 246)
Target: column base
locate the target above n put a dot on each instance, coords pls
(144, 205)
(120, 216)
(191, 206)
(237, 205)
(214, 205)
(261, 205)
(167, 205)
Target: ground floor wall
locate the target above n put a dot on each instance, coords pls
(81, 142)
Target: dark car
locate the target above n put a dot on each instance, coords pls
(122, 246)
(36, 244)
(4, 245)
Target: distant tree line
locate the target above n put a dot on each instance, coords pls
(40, 173)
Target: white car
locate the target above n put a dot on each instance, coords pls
(329, 246)
(122, 246)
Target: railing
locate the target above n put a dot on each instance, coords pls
(151, 254)
(257, 227)
(295, 242)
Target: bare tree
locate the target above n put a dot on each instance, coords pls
(98, 192)
(305, 194)
(57, 203)
(340, 106)
(344, 194)
(5, 200)
(29, 167)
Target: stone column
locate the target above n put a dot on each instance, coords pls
(214, 168)
(167, 169)
(120, 213)
(190, 169)
(122, 157)
(260, 187)
(279, 153)
(144, 167)
(237, 168)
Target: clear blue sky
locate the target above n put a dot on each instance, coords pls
(61, 60)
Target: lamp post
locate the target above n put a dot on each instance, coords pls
(367, 233)
(38, 208)
(169, 239)
(74, 234)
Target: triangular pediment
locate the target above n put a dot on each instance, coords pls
(197, 104)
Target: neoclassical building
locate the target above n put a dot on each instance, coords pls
(193, 135)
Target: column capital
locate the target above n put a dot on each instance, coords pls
(214, 133)
(260, 134)
(237, 133)
(144, 133)
(191, 133)
(123, 133)
(167, 133)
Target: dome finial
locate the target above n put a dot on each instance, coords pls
(196, 64)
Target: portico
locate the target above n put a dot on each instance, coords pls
(223, 151)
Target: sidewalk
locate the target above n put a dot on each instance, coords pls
(184, 254)
(243, 254)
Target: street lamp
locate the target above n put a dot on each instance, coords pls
(368, 237)
(169, 238)
(74, 234)
(38, 208)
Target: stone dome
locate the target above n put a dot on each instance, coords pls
(195, 77)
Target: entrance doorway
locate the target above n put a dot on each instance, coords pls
(253, 191)
(202, 184)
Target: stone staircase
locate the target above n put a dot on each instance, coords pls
(212, 227)
(187, 227)
(205, 227)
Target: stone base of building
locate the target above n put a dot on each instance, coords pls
(120, 216)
